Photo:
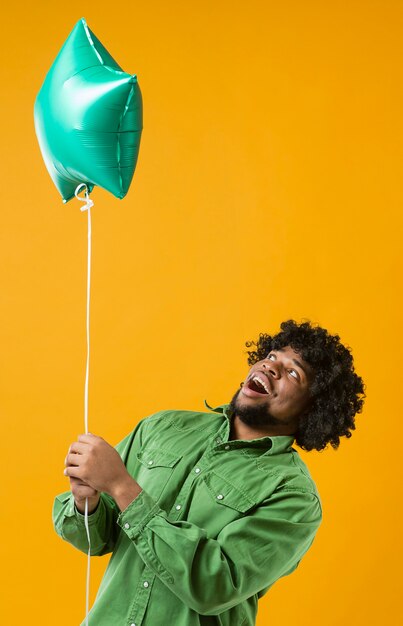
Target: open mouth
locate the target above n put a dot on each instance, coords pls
(258, 385)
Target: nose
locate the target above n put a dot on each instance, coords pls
(272, 368)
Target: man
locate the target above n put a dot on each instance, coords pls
(203, 512)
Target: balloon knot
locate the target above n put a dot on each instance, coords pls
(88, 202)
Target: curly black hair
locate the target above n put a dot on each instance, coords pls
(337, 392)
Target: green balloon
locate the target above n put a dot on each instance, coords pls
(88, 118)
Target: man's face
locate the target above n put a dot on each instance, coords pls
(275, 392)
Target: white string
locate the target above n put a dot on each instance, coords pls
(87, 207)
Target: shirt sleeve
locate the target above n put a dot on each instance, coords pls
(250, 554)
(70, 526)
(104, 531)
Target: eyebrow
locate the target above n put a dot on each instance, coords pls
(296, 362)
(301, 366)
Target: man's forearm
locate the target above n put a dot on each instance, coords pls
(124, 493)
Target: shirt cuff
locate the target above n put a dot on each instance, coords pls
(137, 514)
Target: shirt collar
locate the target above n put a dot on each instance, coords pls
(277, 444)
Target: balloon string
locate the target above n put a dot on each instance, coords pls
(88, 204)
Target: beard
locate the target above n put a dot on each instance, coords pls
(254, 416)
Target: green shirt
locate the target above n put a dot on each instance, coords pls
(217, 523)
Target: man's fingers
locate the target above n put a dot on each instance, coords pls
(73, 459)
(78, 482)
(72, 471)
(89, 438)
(77, 447)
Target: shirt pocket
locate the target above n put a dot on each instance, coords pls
(227, 494)
(217, 502)
(154, 468)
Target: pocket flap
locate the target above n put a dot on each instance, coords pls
(227, 494)
(156, 457)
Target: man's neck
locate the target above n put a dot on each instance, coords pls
(239, 430)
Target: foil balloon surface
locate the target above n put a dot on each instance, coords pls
(88, 118)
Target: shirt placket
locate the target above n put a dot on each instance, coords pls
(142, 597)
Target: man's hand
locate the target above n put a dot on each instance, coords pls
(94, 466)
(81, 491)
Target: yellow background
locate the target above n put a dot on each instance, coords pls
(268, 186)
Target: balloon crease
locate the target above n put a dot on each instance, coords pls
(87, 32)
(118, 147)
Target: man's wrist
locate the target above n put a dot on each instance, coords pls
(125, 492)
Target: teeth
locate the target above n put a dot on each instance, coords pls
(259, 380)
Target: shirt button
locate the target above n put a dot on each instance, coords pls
(145, 584)
(226, 447)
(132, 624)
(150, 462)
(127, 525)
(178, 507)
(218, 440)
(197, 470)
(220, 496)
